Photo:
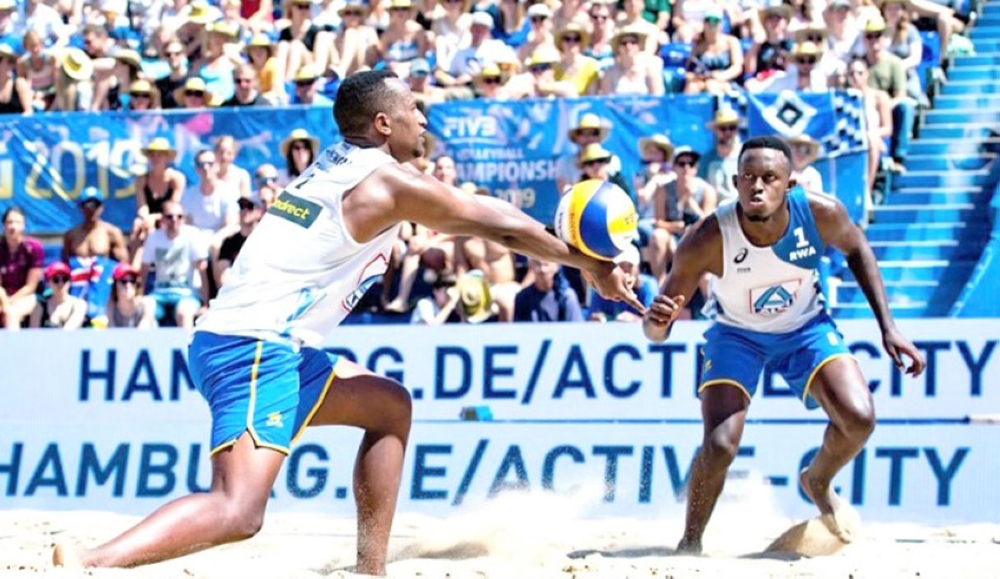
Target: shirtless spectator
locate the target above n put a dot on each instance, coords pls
(497, 264)
(60, 310)
(94, 237)
(21, 260)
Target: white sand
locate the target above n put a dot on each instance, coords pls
(523, 537)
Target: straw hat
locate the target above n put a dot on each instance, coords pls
(802, 33)
(194, 83)
(725, 116)
(776, 7)
(875, 25)
(126, 55)
(298, 135)
(259, 41)
(594, 152)
(807, 49)
(6, 51)
(306, 73)
(660, 142)
(352, 5)
(587, 122)
(475, 296)
(489, 71)
(630, 30)
(804, 139)
(6, 5)
(141, 86)
(573, 28)
(401, 4)
(201, 12)
(77, 65)
(542, 55)
(228, 29)
(160, 145)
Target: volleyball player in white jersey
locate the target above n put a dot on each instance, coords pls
(255, 355)
(769, 313)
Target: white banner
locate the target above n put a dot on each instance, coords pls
(110, 420)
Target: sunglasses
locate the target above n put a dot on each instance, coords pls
(356, 13)
(540, 68)
(873, 35)
(399, 10)
(802, 149)
(243, 80)
(301, 6)
(599, 17)
(141, 95)
(589, 133)
(195, 93)
(629, 41)
(173, 216)
(814, 38)
(59, 279)
(713, 21)
(301, 147)
(539, 18)
(727, 128)
(573, 38)
(174, 53)
(685, 163)
(203, 164)
(128, 281)
(91, 204)
(809, 60)
(453, 2)
(595, 162)
(857, 72)
(491, 80)
(266, 179)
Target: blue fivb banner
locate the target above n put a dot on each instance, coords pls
(46, 160)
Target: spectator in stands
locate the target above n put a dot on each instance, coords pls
(451, 30)
(11, 24)
(571, 12)
(354, 40)
(220, 57)
(803, 73)
(540, 31)
(632, 17)
(40, 69)
(96, 42)
(209, 202)
(162, 182)
(260, 53)
(475, 299)
(549, 299)
(179, 255)
(716, 59)
(805, 151)
(127, 307)
(634, 71)
(74, 82)
(941, 16)
(143, 96)
(402, 42)
(59, 310)
(843, 29)
(770, 54)
(539, 78)
(583, 71)
(21, 261)
(497, 263)
(644, 285)
(307, 89)
(111, 86)
(420, 83)
(247, 93)
(94, 237)
(718, 166)
(267, 179)
(830, 65)
(904, 41)
(250, 214)
(590, 129)
(168, 85)
(512, 27)
(194, 94)
(803, 15)
(439, 307)
(656, 154)
(468, 61)
(602, 31)
(15, 93)
(878, 117)
(236, 177)
(489, 84)
(299, 149)
(44, 20)
(886, 72)
(678, 204)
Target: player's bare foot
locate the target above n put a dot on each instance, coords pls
(689, 547)
(66, 554)
(839, 517)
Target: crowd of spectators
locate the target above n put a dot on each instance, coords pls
(147, 55)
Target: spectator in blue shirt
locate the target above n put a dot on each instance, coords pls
(549, 299)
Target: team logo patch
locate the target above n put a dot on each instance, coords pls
(772, 300)
(299, 211)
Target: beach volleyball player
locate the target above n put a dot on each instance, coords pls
(769, 313)
(255, 355)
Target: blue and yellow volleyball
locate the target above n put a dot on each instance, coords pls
(598, 218)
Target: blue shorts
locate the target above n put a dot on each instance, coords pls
(173, 297)
(736, 357)
(265, 388)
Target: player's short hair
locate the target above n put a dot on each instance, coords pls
(767, 142)
(360, 97)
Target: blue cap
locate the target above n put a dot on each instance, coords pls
(420, 67)
(89, 194)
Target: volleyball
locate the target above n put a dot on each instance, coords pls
(598, 218)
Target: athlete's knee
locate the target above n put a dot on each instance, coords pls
(856, 418)
(720, 447)
(396, 408)
(242, 522)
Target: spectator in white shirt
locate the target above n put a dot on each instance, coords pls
(210, 203)
(468, 61)
(805, 151)
(180, 258)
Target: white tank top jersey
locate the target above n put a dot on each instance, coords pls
(300, 272)
(772, 289)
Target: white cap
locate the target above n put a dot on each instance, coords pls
(482, 19)
(539, 10)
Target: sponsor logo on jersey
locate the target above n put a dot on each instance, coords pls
(772, 300)
(741, 255)
(299, 211)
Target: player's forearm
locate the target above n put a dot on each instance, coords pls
(865, 269)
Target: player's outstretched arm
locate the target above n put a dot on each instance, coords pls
(837, 230)
(420, 198)
(694, 257)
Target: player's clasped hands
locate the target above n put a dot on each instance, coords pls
(664, 310)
